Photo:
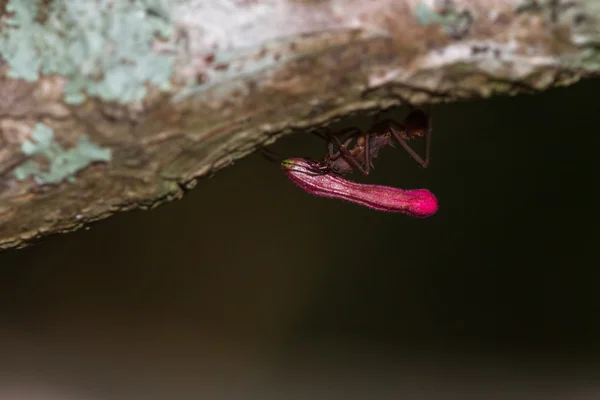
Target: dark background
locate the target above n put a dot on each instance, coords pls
(251, 288)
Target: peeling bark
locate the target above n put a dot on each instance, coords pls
(164, 92)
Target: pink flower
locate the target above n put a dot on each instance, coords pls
(317, 179)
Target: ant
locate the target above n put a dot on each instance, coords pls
(367, 144)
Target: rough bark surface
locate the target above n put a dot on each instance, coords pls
(107, 105)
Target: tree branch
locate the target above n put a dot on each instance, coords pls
(109, 106)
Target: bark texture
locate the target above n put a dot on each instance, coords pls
(111, 105)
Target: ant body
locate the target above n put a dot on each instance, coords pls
(368, 144)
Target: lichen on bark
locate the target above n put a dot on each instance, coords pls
(177, 90)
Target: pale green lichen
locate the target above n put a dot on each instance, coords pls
(453, 22)
(427, 16)
(63, 163)
(103, 47)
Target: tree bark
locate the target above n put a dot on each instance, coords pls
(112, 105)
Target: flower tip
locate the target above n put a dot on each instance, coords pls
(426, 205)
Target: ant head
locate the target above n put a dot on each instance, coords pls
(416, 123)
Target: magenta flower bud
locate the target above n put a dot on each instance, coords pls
(320, 181)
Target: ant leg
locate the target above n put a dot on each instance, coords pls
(353, 133)
(343, 147)
(427, 140)
(409, 150)
(428, 134)
(349, 157)
(331, 150)
(333, 154)
(355, 162)
(330, 137)
(352, 159)
(327, 136)
(404, 143)
(367, 154)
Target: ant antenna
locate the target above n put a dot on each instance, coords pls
(272, 156)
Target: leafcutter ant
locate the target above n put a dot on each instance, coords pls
(343, 159)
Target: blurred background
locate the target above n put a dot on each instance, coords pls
(249, 287)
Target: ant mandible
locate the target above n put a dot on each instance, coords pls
(367, 145)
